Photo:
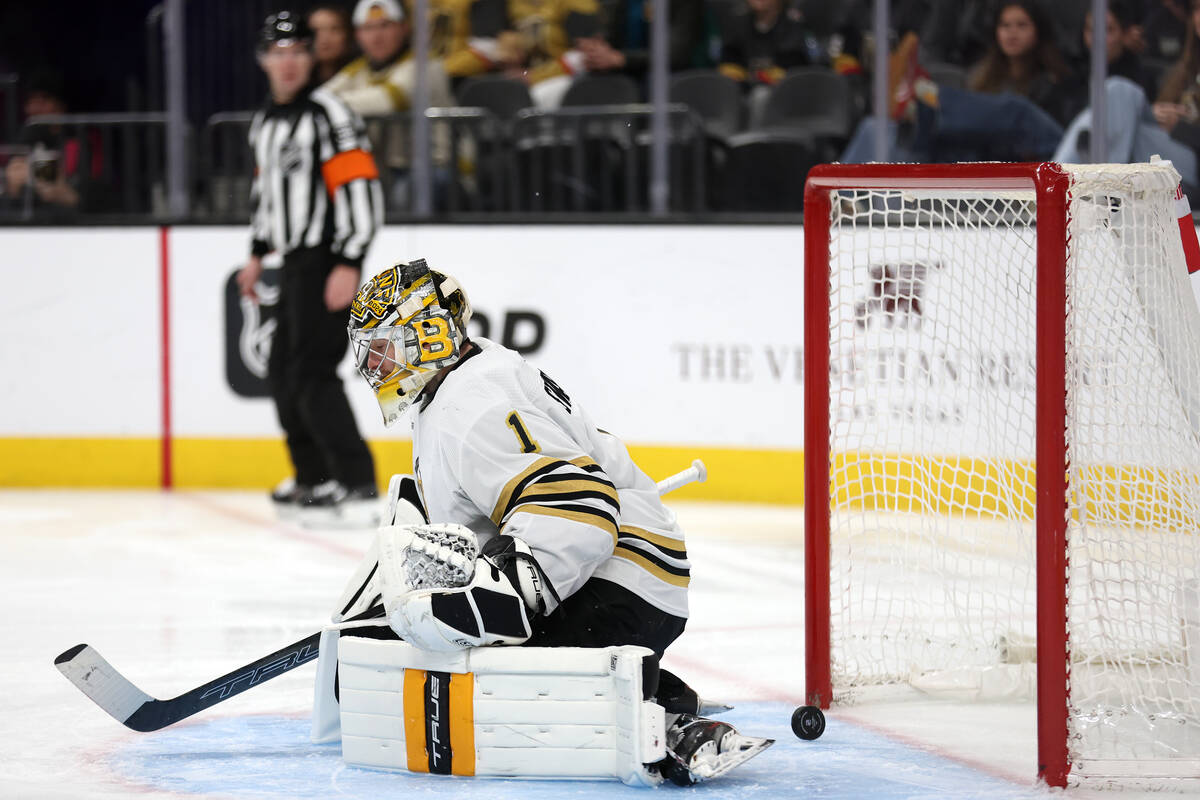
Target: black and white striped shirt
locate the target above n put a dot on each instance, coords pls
(315, 180)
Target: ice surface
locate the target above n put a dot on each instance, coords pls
(176, 588)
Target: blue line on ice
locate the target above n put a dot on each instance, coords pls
(271, 757)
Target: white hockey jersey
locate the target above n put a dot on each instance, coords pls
(501, 447)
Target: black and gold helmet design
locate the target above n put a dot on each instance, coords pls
(406, 324)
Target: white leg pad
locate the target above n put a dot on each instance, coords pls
(567, 713)
(325, 718)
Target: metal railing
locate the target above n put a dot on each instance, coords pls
(226, 167)
(599, 159)
(20, 206)
(115, 162)
(567, 161)
(10, 122)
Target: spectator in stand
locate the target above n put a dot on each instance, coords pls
(54, 175)
(954, 31)
(332, 46)
(1178, 107)
(625, 44)
(1023, 59)
(1165, 29)
(1133, 131)
(1003, 119)
(382, 81)
(1122, 38)
(542, 48)
(767, 41)
(463, 35)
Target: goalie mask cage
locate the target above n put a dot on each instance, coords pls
(1002, 406)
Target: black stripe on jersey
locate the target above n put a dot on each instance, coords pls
(599, 513)
(567, 477)
(519, 487)
(533, 496)
(625, 536)
(584, 515)
(665, 566)
(571, 476)
(569, 486)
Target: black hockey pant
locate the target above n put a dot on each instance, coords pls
(606, 614)
(309, 341)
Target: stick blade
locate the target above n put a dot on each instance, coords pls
(96, 678)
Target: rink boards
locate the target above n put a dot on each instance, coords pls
(126, 349)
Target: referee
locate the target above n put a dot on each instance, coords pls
(316, 200)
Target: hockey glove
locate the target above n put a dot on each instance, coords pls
(438, 595)
(404, 502)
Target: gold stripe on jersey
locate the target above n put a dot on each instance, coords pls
(516, 488)
(506, 494)
(551, 487)
(662, 572)
(587, 464)
(659, 539)
(588, 516)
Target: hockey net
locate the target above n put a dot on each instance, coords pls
(1003, 407)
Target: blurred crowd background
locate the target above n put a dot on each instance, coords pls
(539, 107)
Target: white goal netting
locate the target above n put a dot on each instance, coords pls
(933, 479)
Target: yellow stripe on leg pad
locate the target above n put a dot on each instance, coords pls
(414, 720)
(462, 723)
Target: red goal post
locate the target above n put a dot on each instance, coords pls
(885, 246)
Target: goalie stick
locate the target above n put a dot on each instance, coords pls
(126, 703)
(135, 709)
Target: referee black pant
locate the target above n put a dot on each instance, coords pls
(309, 342)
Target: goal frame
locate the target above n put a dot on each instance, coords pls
(1050, 185)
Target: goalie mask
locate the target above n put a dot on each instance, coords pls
(406, 324)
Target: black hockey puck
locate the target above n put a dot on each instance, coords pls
(808, 722)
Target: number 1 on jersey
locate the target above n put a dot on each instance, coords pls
(528, 445)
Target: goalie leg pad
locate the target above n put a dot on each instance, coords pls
(325, 718)
(505, 712)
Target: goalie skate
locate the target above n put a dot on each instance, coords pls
(700, 749)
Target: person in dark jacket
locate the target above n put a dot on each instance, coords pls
(766, 42)
(623, 44)
(1132, 132)
(1177, 110)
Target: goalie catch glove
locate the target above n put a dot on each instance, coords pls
(441, 594)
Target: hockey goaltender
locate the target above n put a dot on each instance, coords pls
(525, 525)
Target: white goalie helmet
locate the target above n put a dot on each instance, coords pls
(406, 324)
